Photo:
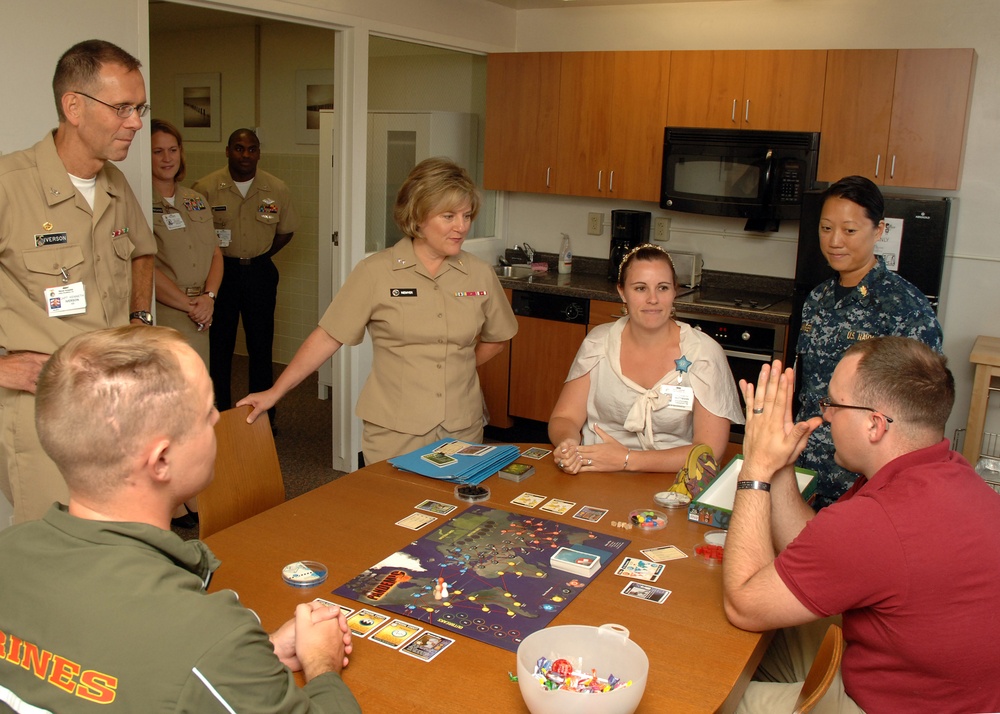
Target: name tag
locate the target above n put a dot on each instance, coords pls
(224, 235)
(219, 209)
(66, 300)
(403, 292)
(680, 397)
(43, 239)
(173, 221)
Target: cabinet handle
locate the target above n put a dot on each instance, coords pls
(892, 167)
(746, 113)
(600, 175)
(878, 163)
(732, 117)
(548, 171)
(611, 182)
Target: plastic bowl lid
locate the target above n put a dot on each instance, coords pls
(716, 538)
(304, 573)
(672, 499)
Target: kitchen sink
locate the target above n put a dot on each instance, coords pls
(513, 271)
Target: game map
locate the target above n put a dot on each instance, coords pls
(484, 574)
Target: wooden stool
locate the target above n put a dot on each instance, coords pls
(986, 356)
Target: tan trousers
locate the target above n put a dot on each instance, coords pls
(379, 443)
(28, 477)
(778, 680)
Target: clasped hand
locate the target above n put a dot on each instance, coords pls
(316, 640)
(606, 457)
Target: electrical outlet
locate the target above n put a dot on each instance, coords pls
(595, 224)
(661, 230)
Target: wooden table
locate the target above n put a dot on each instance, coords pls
(698, 661)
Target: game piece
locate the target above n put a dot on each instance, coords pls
(304, 573)
(648, 519)
(472, 494)
(563, 675)
(710, 554)
(516, 472)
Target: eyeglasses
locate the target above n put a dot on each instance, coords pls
(825, 404)
(124, 111)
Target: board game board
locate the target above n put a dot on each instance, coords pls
(484, 574)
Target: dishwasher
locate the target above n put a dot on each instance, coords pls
(550, 330)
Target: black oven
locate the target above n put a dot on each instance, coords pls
(748, 345)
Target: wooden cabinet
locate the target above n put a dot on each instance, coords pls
(540, 357)
(494, 380)
(612, 111)
(602, 311)
(897, 117)
(776, 90)
(522, 121)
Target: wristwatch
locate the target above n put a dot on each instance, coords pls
(144, 316)
(210, 294)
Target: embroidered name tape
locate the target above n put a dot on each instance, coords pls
(403, 292)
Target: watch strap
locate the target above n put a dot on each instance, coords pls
(753, 486)
(144, 316)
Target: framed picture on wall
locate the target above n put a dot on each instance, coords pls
(198, 106)
(313, 92)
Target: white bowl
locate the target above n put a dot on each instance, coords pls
(606, 649)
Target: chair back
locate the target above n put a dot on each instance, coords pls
(247, 473)
(824, 669)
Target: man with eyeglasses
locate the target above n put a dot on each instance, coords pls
(76, 252)
(254, 219)
(908, 559)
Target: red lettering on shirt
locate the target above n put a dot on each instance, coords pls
(97, 687)
(63, 674)
(90, 684)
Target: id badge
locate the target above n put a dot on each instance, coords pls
(173, 221)
(680, 397)
(225, 236)
(66, 300)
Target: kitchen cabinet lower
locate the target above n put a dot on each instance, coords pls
(540, 357)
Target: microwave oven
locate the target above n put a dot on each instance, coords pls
(757, 175)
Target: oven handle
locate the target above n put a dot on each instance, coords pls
(748, 355)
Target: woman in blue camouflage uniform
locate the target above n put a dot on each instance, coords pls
(866, 300)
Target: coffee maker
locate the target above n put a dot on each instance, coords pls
(628, 229)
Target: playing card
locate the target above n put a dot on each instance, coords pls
(591, 514)
(346, 610)
(535, 453)
(664, 553)
(395, 634)
(364, 621)
(415, 521)
(476, 450)
(441, 509)
(451, 447)
(529, 500)
(427, 645)
(557, 506)
(439, 460)
(642, 591)
(639, 569)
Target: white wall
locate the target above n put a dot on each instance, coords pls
(971, 305)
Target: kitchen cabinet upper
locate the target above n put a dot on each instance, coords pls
(777, 90)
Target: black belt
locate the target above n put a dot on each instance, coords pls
(246, 261)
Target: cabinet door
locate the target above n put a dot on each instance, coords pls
(585, 87)
(857, 107)
(602, 311)
(522, 115)
(639, 101)
(494, 379)
(783, 90)
(930, 107)
(540, 357)
(706, 88)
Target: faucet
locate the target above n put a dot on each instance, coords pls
(530, 252)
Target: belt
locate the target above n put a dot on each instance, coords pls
(246, 261)
(194, 292)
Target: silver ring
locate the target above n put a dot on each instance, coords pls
(560, 464)
(590, 462)
(758, 411)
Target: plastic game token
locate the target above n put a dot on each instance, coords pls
(647, 519)
(716, 538)
(672, 499)
(472, 494)
(708, 553)
(304, 573)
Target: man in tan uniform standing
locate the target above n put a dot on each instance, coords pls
(76, 252)
(254, 219)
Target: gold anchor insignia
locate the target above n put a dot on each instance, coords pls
(46, 226)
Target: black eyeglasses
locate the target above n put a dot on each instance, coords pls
(825, 404)
(124, 111)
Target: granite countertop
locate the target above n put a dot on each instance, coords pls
(589, 280)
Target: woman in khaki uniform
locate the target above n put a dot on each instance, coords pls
(434, 312)
(188, 259)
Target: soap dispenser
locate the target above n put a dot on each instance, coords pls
(565, 256)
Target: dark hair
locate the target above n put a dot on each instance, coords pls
(162, 125)
(434, 184)
(859, 190)
(79, 67)
(905, 377)
(645, 251)
(251, 132)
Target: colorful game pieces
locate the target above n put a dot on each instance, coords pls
(561, 674)
(648, 519)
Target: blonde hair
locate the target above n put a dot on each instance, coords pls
(434, 185)
(102, 393)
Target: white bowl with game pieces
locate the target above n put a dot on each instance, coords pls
(606, 649)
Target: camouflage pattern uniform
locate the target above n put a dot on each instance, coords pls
(881, 304)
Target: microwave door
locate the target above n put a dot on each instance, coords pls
(761, 218)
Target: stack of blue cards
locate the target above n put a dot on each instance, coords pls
(457, 462)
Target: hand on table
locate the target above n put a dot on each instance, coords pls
(606, 457)
(260, 401)
(289, 639)
(567, 456)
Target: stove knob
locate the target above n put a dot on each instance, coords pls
(745, 336)
(572, 312)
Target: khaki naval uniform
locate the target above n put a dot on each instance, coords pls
(47, 228)
(184, 254)
(424, 333)
(250, 281)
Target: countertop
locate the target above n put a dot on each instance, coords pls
(589, 281)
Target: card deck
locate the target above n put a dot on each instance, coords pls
(529, 500)
(439, 460)
(364, 621)
(441, 509)
(640, 569)
(557, 506)
(415, 521)
(664, 553)
(591, 514)
(427, 645)
(395, 634)
(642, 591)
(535, 453)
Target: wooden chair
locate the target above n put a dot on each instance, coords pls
(247, 473)
(824, 669)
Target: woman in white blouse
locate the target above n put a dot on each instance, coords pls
(643, 389)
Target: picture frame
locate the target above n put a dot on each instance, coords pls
(314, 90)
(198, 106)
